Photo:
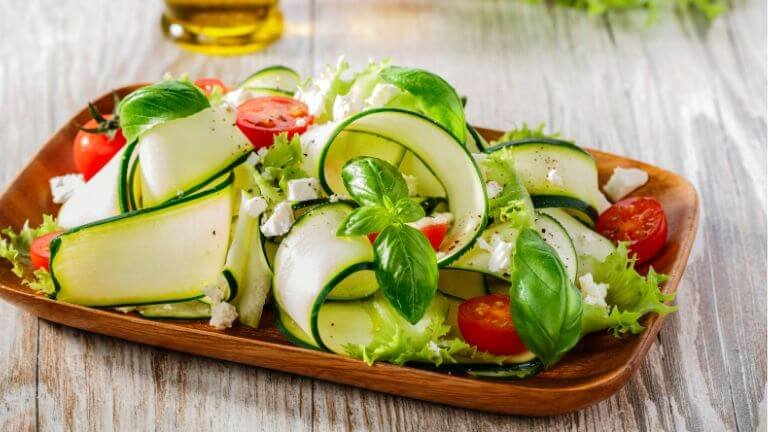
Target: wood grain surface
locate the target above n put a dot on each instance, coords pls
(682, 95)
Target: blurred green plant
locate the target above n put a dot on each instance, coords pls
(711, 9)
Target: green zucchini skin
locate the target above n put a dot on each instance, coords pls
(192, 310)
(125, 179)
(57, 242)
(514, 372)
(264, 78)
(539, 140)
(561, 201)
(479, 218)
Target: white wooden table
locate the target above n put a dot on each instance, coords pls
(678, 94)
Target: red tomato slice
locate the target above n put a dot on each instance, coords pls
(486, 322)
(261, 118)
(640, 221)
(40, 250)
(434, 233)
(92, 151)
(207, 85)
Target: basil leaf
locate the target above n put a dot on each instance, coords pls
(149, 106)
(406, 270)
(370, 180)
(433, 96)
(408, 210)
(546, 307)
(365, 220)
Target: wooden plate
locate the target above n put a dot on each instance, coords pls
(598, 367)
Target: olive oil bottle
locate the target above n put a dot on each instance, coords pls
(223, 27)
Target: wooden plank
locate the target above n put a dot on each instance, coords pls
(635, 91)
(18, 338)
(674, 95)
(88, 382)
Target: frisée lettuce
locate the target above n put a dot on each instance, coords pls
(630, 295)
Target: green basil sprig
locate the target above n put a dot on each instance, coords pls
(546, 307)
(155, 104)
(404, 262)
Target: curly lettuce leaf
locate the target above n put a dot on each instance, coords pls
(338, 93)
(320, 93)
(14, 248)
(280, 164)
(525, 132)
(630, 295)
(513, 203)
(397, 341)
(41, 282)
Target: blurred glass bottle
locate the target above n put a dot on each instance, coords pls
(224, 27)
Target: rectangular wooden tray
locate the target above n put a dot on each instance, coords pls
(598, 367)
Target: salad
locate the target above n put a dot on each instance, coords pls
(362, 208)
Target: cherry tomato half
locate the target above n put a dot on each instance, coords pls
(486, 322)
(92, 150)
(40, 250)
(434, 233)
(640, 221)
(207, 85)
(261, 118)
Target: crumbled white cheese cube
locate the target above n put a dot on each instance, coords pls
(223, 315)
(334, 198)
(318, 90)
(501, 253)
(253, 159)
(214, 292)
(434, 219)
(602, 203)
(346, 105)
(592, 292)
(280, 222)
(413, 184)
(255, 206)
(554, 177)
(493, 188)
(304, 189)
(381, 95)
(63, 187)
(236, 97)
(624, 181)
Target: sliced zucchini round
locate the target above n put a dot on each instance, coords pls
(189, 310)
(384, 133)
(557, 174)
(128, 164)
(553, 233)
(274, 77)
(266, 91)
(461, 284)
(98, 199)
(178, 158)
(180, 248)
(475, 142)
(302, 285)
(587, 242)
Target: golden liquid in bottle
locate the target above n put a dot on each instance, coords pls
(224, 27)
